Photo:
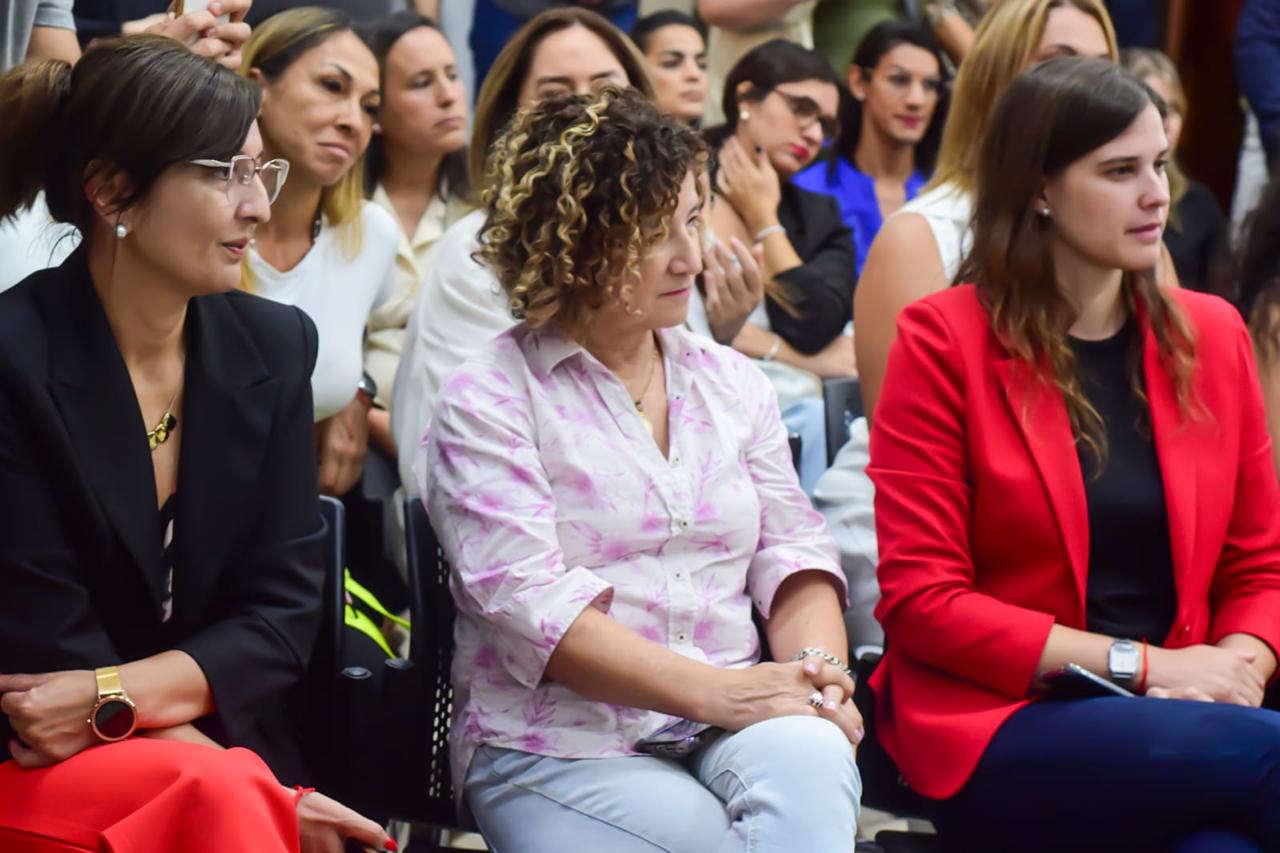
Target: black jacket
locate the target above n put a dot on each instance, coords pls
(81, 571)
(820, 291)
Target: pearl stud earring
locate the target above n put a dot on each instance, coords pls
(121, 231)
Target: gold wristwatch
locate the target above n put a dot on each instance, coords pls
(114, 716)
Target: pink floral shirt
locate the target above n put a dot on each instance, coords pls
(549, 496)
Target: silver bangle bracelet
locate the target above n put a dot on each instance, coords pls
(768, 231)
(826, 656)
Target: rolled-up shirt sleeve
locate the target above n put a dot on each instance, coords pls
(493, 509)
(793, 535)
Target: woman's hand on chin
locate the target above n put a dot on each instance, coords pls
(49, 713)
(324, 825)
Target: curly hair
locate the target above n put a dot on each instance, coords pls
(579, 190)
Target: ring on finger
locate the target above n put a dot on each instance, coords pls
(815, 699)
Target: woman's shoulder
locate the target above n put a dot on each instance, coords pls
(1211, 317)
(954, 317)
(279, 332)
(494, 369)
(380, 227)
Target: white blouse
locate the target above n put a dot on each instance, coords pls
(338, 293)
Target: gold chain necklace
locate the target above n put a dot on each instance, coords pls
(639, 402)
(168, 423)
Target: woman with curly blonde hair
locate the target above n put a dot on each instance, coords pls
(616, 495)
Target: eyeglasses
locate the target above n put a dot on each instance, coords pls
(807, 111)
(240, 171)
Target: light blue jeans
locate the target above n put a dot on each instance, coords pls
(786, 784)
(808, 418)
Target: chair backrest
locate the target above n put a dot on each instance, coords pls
(883, 787)
(431, 650)
(842, 401)
(328, 652)
(794, 440)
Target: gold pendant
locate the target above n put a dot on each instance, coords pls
(648, 424)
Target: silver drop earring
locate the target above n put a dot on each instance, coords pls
(121, 231)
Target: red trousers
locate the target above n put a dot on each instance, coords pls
(147, 795)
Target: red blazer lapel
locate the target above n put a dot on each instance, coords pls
(1178, 451)
(1040, 412)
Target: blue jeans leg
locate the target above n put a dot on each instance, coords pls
(809, 418)
(790, 783)
(1124, 774)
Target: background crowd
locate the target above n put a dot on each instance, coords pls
(831, 154)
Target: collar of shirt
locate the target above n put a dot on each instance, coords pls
(430, 227)
(547, 348)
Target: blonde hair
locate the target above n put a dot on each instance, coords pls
(1144, 62)
(579, 190)
(273, 47)
(1003, 47)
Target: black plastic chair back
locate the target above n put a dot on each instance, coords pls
(431, 650)
(794, 441)
(883, 787)
(842, 402)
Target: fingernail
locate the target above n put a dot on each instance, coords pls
(215, 7)
(830, 705)
(859, 734)
(211, 32)
(391, 845)
(811, 667)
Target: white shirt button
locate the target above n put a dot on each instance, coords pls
(682, 637)
(684, 523)
(678, 575)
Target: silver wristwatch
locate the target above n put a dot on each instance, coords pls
(1122, 662)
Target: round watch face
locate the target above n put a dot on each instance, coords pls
(114, 719)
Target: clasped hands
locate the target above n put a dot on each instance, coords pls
(742, 697)
(49, 713)
(1228, 672)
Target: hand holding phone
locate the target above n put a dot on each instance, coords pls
(186, 7)
(1075, 682)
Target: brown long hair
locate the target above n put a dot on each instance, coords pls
(1048, 119)
(1003, 46)
(496, 102)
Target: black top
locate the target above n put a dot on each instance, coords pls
(1198, 243)
(820, 290)
(86, 579)
(1131, 591)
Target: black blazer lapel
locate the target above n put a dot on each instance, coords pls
(228, 405)
(90, 385)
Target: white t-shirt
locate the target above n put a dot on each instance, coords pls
(459, 309)
(337, 293)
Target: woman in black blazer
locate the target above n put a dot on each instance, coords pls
(781, 102)
(160, 554)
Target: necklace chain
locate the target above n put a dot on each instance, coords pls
(639, 401)
(160, 433)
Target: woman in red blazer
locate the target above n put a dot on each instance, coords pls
(1072, 466)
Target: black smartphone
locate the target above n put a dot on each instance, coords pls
(1075, 682)
(676, 747)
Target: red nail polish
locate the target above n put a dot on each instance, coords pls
(391, 845)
